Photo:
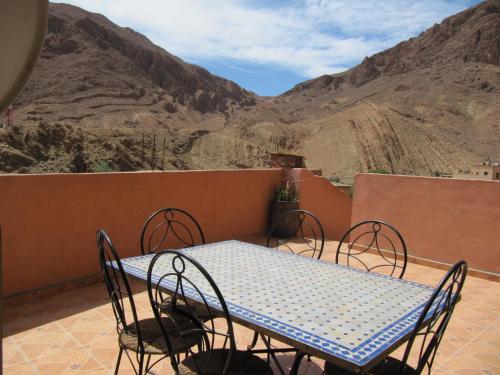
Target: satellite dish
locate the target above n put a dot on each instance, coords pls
(22, 30)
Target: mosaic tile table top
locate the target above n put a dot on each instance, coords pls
(341, 312)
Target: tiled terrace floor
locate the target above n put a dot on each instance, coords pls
(75, 331)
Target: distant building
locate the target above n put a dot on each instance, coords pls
(279, 160)
(487, 170)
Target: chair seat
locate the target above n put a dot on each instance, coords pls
(390, 366)
(199, 310)
(152, 337)
(213, 362)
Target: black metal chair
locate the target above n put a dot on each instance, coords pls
(376, 238)
(173, 224)
(170, 228)
(298, 231)
(143, 338)
(429, 329)
(191, 287)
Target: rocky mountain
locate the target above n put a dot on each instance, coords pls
(110, 95)
(104, 97)
(428, 105)
(90, 64)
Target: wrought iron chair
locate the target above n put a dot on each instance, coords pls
(429, 329)
(170, 228)
(173, 224)
(143, 338)
(378, 238)
(189, 282)
(298, 231)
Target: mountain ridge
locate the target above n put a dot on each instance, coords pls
(426, 105)
(415, 52)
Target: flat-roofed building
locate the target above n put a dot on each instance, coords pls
(487, 170)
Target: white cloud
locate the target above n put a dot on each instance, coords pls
(310, 37)
(397, 19)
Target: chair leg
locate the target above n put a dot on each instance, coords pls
(117, 367)
(141, 363)
(254, 341)
(269, 345)
(296, 363)
(146, 369)
(206, 341)
(225, 342)
(271, 354)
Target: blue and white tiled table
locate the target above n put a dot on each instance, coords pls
(343, 315)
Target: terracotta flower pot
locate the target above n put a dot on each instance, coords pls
(287, 227)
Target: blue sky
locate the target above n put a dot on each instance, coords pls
(268, 46)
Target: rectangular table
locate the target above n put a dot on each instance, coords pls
(340, 314)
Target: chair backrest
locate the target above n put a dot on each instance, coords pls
(298, 231)
(435, 317)
(170, 228)
(118, 288)
(193, 294)
(375, 246)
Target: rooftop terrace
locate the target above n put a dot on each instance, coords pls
(74, 331)
(56, 315)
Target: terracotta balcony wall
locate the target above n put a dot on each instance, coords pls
(49, 221)
(441, 219)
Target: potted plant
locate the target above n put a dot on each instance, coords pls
(286, 199)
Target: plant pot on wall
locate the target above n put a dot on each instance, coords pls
(287, 226)
(285, 200)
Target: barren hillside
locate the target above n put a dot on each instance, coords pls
(430, 104)
(104, 97)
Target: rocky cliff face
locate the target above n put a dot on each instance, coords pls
(89, 61)
(104, 97)
(470, 36)
(430, 104)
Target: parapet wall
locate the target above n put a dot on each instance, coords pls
(331, 205)
(49, 221)
(440, 219)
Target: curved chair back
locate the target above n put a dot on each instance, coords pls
(118, 288)
(435, 317)
(170, 228)
(179, 279)
(298, 231)
(375, 246)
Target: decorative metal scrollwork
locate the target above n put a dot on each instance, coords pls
(118, 288)
(188, 288)
(376, 238)
(435, 317)
(298, 231)
(170, 228)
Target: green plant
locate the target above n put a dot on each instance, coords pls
(436, 173)
(103, 167)
(286, 192)
(379, 171)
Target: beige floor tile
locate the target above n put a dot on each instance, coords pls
(24, 368)
(46, 344)
(12, 354)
